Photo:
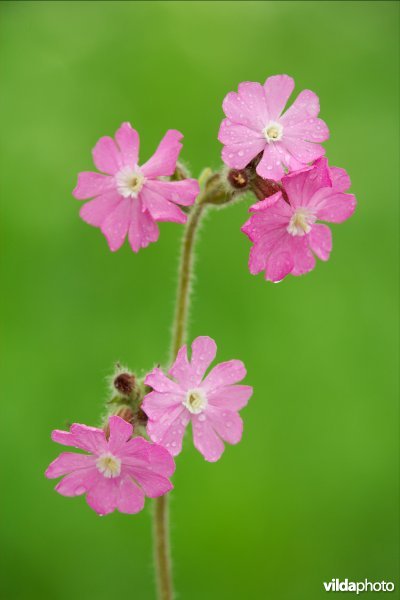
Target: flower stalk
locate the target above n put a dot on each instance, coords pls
(161, 508)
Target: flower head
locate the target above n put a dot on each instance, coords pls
(256, 124)
(286, 234)
(211, 403)
(117, 473)
(129, 199)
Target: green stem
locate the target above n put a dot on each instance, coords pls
(161, 512)
(185, 273)
(162, 548)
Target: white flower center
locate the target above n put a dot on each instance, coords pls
(129, 182)
(301, 221)
(273, 132)
(195, 401)
(108, 465)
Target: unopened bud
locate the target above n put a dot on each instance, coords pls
(238, 178)
(264, 188)
(181, 172)
(124, 383)
(141, 417)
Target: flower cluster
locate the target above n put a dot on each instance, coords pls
(272, 153)
(281, 153)
(123, 467)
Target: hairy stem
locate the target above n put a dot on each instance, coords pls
(161, 512)
(162, 548)
(185, 273)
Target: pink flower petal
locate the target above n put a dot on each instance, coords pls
(301, 186)
(224, 373)
(266, 203)
(104, 494)
(320, 240)
(304, 107)
(92, 184)
(204, 350)
(253, 95)
(230, 397)
(78, 482)
(237, 108)
(153, 484)
(142, 230)
(332, 206)
(135, 451)
(340, 179)
(161, 383)
(182, 192)
(303, 258)
(304, 152)
(159, 208)
(169, 430)
(130, 498)
(181, 370)
(116, 225)
(68, 462)
(206, 440)
(268, 219)
(231, 134)
(227, 424)
(262, 249)
(312, 130)
(278, 89)
(161, 461)
(238, 156)
(120, 432)
(154, 403)
(163, 161)
(138, 452)
(106, 156)
(96, 211)
(127, 139)
(87, 438)
(270, 165)
(279, 264)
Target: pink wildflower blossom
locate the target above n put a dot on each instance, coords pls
(117, 474)
(211, 403)
(255, 124)
(128, 199)
(286, 234)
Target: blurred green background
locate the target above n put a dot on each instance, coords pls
(311, 492)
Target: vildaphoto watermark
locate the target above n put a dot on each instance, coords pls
(337, 585)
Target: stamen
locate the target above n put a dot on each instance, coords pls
(195, 401)
(273, 132)
(108, 465)
(129, 182)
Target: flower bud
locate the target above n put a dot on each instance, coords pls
(263, 188)
(181, 172)
(238, 178)
(141, 417)
(124, 383)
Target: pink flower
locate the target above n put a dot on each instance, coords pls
(286, 235)
(255, 124)
(211, 404)
(128, 199)
(117, 474)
